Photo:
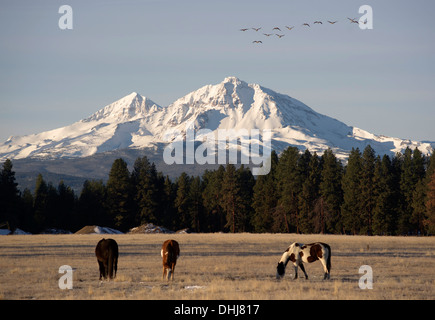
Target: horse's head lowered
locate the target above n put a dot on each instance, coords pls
(280, 270)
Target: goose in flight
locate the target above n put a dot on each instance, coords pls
(280, 35)
(276, 28)
(332, 22)
(267, 34)
(353, 20)
(257, 41)
(256, 29)
(318, 22)
(244, 29)
(289, 27)
(306, 24)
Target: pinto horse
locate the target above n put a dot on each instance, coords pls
(170, 253)
(299, 253)
(107, 257)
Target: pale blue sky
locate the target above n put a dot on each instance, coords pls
(380, 80)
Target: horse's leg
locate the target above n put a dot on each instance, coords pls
(106, 269)
(296, 271)
(164, 271)
(303, 269)
(116, 266)
(325, 269)
(101, 267)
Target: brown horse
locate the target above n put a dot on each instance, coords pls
(107, 257)
(170, 253)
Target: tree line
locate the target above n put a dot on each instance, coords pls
(303, 193)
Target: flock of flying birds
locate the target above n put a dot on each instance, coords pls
(280, 35)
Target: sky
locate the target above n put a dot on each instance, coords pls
(380, 80)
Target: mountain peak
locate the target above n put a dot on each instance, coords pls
(236, 82)
(232, 79)
(134, 95)
(130, 107)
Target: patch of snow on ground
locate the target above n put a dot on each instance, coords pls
(106, 230)
(150, 228)
(4, 232)
(194, 287)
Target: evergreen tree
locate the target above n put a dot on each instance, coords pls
(120, 195)
(430, 167)
(289, 185)
(49, 207)
(398, 199)
(51, 210)
(385, 198)
(331, 193)
(407, 183)
(419, 207)
(212, 195)
(9, 196)
(40, 203)
(419, 165)
(262, 203)
(429, 222)
(168, 199)
(196, 206)
(182, 204)
(265, 198)
(418, 214)
(412, 172)
(246, 182)
(237, 189)
(147, 193)
(92, 209)
(320, 215)
(310, 192)
(65, 207)
(351, 185)
(230, 198)
(367, 199)
(160, 196)
(27, 222)
(45, 205)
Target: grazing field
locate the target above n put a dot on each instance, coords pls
(216, 266)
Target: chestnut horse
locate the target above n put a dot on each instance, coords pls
(170, 253)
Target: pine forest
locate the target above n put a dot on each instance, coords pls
(303, 193)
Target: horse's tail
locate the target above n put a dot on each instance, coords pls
(110, 262)
(328, 260)
(115, 262)
(173, 252)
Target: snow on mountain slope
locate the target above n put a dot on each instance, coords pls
(137, 122)
(116, 126)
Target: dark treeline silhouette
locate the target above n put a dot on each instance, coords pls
(303, 193)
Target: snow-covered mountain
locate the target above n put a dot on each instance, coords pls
(137, 122)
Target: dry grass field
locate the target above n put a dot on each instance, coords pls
(216, 266)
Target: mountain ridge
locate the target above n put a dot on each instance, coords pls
(135, 121)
